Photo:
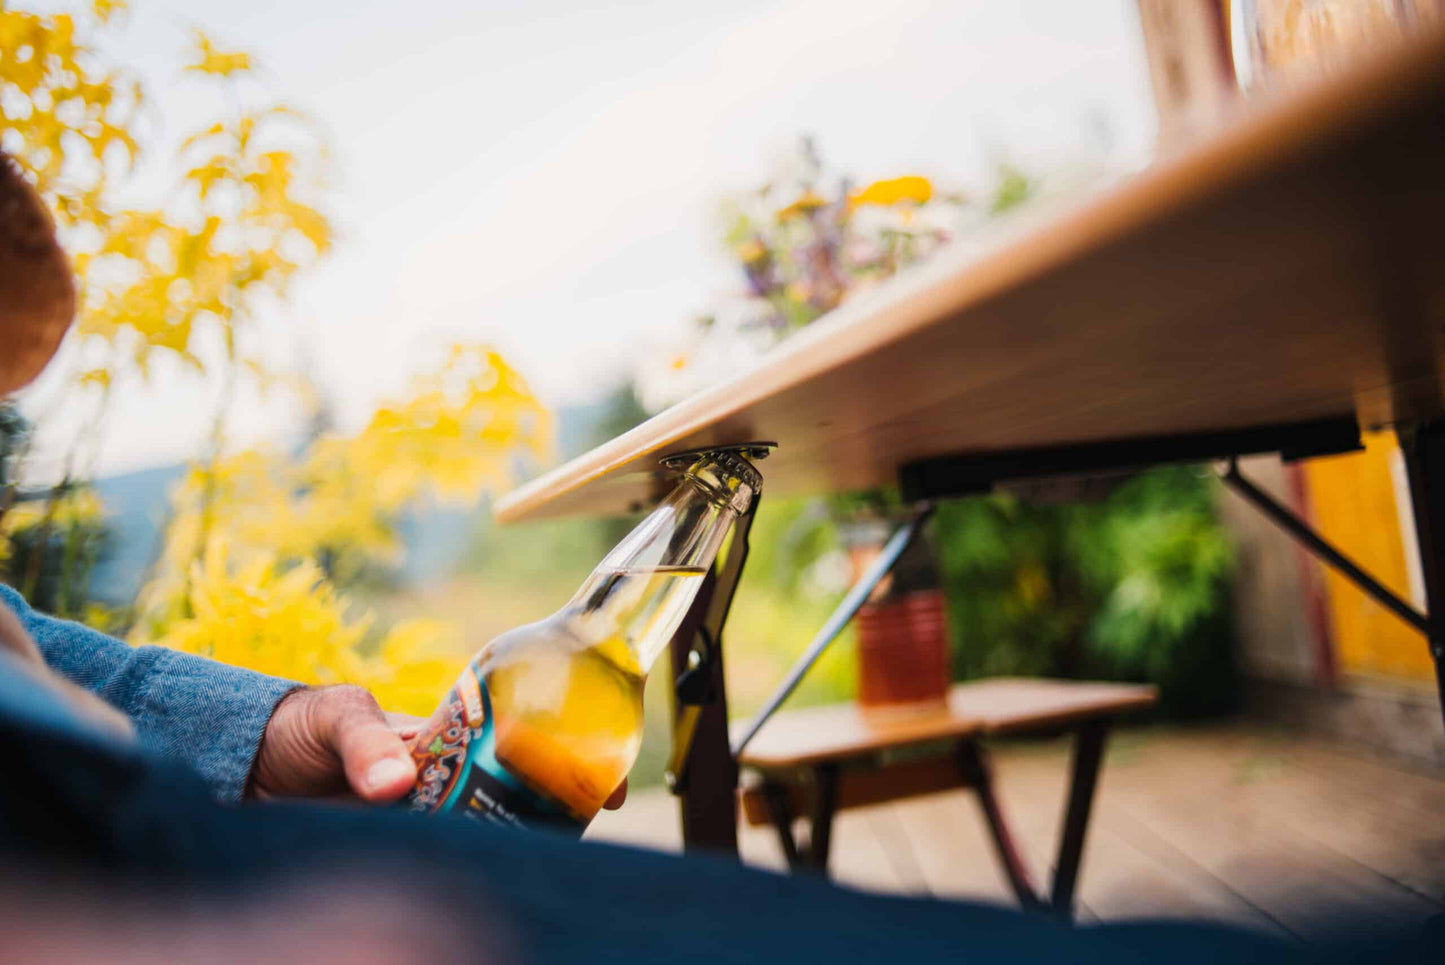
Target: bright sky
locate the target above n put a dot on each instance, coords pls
(543, 174)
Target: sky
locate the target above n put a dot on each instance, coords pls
(544, 175)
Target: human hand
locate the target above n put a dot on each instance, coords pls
(333, 741)
(330, 741)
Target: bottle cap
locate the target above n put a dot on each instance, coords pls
(731, 459)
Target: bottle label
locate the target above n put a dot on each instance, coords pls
(458, 770)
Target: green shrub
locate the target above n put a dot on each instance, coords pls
(1158, 562)
(1135, 587)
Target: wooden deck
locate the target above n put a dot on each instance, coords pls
(1235, 823)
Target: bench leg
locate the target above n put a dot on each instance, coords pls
(780, 809)
(976, 772)
(1088, 754)
(813, 854)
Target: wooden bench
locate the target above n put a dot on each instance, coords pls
(820, 760)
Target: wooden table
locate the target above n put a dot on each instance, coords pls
(822, 760)
(1270, 290)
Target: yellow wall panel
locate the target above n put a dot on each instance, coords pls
(1353, 503)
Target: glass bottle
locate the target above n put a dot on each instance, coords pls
(545, 722)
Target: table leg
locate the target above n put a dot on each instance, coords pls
(1424, 449)
(847, 608)
(979, 775)
(1088, 755)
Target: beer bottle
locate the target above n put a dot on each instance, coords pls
(546, 720)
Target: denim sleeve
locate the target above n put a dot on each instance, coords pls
(206, 714)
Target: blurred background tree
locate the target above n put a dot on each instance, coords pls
(261, 548)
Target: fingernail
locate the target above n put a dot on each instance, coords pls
(388, 772)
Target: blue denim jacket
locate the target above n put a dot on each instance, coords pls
(205, 714)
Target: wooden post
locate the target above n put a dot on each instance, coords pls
(1424, 449)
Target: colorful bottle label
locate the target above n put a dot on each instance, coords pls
(458, 770)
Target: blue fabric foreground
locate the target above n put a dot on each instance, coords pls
(71, 802)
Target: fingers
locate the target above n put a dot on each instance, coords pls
(618, 796)
(377, 763)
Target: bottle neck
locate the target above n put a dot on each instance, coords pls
(649, 580)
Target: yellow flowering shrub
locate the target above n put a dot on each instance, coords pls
(456, 435)
(70, 528)
(67, 117)
(414, 665)
(291, 621)
(259, 548)
(255, 613)
(240, 576)
(78, 507)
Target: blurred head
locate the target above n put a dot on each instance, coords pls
(37, 293)
(37, 301)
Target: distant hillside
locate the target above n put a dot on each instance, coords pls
(135, 505)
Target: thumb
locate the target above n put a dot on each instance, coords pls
(377, 763)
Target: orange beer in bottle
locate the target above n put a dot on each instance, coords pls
(546, 721)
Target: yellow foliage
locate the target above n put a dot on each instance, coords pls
(249, 532)
(289, 620)
(416, 662)
(69, 510)
(206, 58)
(257, 542)
(285, 621)
(66, 121)
(79, 507)
(147, 277)
(104, 10)
(455, 436)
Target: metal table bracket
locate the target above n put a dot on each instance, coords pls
(1320, 547)
(837, 620)
(701, 770)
